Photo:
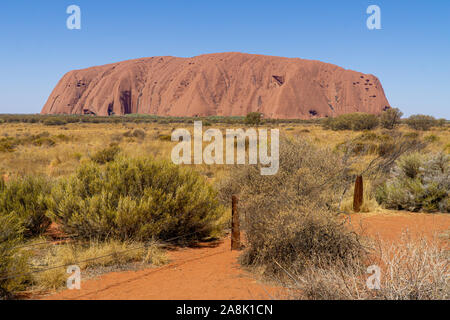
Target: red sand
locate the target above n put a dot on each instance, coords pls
(212, 272)
(207, 272)
(391, 225)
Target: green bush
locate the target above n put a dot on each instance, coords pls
(352, 121)
(55, 122)
(418, 183)
(390, 118)
(26, 198)
(421, 122)
(254, 118)
(12, 262)
(107, 154)
(137, 199)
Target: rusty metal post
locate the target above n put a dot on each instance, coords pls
(235, 232)
(358, 197)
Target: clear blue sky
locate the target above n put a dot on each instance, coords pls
(410, 54)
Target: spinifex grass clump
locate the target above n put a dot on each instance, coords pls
(418, 183)
(135, 199)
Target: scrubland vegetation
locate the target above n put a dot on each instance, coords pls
(107, 184)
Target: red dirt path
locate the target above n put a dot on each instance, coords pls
(208, 272)
(212, 272)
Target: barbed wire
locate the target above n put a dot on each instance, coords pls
(164, 243)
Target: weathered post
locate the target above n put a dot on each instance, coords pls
(235, 232)
(358, 197)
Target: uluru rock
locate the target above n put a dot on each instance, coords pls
(224, 84)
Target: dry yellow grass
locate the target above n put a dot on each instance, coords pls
(84, 139)
(86, 256)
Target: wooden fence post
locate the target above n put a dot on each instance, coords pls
(358, 197)
(235, 232)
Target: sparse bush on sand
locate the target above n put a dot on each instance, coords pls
(418, 183)
(410, 270)
(135, 199)
(290, 218)
(11, 261)
(26, 198)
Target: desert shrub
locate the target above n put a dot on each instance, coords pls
(418, 183)
(139, 133)
(107, 154)
(432, 138)
(290, 218)
(441, 122)
(253, 118)
(137, 199)
(296, 239)
(136, 133)
(55, 121)
(26, 198)
(63, 137)
(352, 121)
(9, 144)
(386, 144)
(11, 261)
(43, 141)
(390, 118)
(410, 270)
(421, 122)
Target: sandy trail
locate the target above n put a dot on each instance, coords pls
(209, 272)
(212, 272)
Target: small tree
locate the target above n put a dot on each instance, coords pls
(254, 118)
(421, 122)
(390, 118)
(441, 122)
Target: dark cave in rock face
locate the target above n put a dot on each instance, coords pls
(125, 101)
(111, 109)
(279, 79)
